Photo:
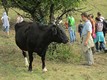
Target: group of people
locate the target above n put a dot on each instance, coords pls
(91, 34)
(97, 34)
(6, 24)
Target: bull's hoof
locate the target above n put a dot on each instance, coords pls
(45, 70)
(30, 70)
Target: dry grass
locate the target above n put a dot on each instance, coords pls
(12, 62)
(12, 65)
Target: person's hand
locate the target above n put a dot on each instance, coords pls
(85, 43)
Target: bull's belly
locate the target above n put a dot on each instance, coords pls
(22, 46)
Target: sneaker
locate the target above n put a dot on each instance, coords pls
(97, 50)
(86, 64)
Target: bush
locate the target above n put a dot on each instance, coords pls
(64, 53)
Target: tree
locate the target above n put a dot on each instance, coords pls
(5, 5)
(44, 11)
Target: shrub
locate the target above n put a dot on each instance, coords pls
(64, 53)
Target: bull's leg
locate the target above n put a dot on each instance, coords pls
(30, 60)
(43, 63)
(25, 56)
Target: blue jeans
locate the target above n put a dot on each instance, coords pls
(80, 33)
(6, 29)
(72, 34)
(102, 46)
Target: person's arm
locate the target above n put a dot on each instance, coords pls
(87, 38)
(93, 24)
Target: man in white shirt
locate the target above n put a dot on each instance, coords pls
(87, 42)
(5, 21)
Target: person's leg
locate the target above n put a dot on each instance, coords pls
(96, 44)
(80, 34)
(74, 36)
(93, 49)
(70, 33)
(7, 33)
(104, 33)
(89, 57)
(7, 30)
(102, 46)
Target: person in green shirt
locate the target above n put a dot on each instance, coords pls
(71, 28)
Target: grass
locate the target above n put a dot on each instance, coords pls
(94, 6)
(64, 64)
(12, 65)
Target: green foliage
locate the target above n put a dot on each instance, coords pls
(39, 10)
(63, 53)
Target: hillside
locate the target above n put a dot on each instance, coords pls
(12, 65)
(62, 65)
(93, 6)
(98, 6)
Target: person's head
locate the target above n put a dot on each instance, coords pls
(90, 16)
(4, 13)
(98, 14)
(84, 16)
(97, 19)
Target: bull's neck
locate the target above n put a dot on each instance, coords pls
(47, 38)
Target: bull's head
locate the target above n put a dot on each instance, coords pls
(59, 34)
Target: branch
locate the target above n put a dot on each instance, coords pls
(51, 12)
(38, 2)
(73, 9)
(15, 11)
(22, 7)
(23, 15)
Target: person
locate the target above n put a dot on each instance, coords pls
(80, 27)
(71, 28)
(99, 35)
(100, 16)
(102, 20)
(19, 18)
(66, 25)
(87, 41)
(5, 21)
(90, 17)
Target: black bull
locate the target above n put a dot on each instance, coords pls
(33, 37)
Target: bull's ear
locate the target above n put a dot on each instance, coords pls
(54, 29)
